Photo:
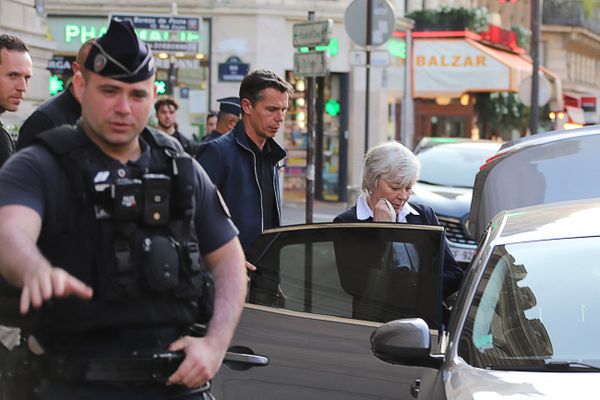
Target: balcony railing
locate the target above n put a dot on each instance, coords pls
(571, 13)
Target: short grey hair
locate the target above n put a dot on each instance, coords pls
(391, 161)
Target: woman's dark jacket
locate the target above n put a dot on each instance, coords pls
(452, 274)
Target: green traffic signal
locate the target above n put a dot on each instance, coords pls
(161, 87)
(55, 85)
(397, 48)
(332, 107)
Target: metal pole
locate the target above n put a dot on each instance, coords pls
(408, 114)
(310, 146)
(310, 180)
(172, 79)
(535, 79)
(368, 71)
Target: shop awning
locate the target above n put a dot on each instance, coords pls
(576, 115)
(581, 107)
(450, 67)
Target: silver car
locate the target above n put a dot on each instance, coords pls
(543, 168)
(526, 321)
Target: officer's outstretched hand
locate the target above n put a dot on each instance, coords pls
(201, 363)
(43, 283)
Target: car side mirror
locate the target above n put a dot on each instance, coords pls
(406, 342)
(468, 231)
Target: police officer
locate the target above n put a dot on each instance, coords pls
(115, 237)
(229, 115)
(56, 111)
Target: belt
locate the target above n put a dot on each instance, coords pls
(151, 368)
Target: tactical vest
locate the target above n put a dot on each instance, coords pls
(127, 233)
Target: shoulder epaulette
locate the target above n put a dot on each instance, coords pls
(162, 140)
(62, 139)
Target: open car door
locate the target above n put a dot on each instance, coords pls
(318, 293)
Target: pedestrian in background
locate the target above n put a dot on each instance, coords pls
(229, 115)
(61, 109)
(211, 123)
(16, 69)
(122, 232)
(166, 113)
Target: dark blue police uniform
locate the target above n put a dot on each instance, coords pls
(135, 232)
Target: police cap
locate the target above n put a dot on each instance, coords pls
(119, 54)
(230, 105)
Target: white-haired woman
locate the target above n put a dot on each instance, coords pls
(390, 170)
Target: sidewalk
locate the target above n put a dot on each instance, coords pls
(294, 211)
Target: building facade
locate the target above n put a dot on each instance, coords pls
(571, 47)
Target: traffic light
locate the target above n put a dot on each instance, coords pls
(397, 48)
(332, 107)
(160, 86)
(55, 85)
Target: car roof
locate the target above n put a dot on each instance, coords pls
(429, 142)
(561, 220)
(539, 168)
(546, 137)
(475, 144)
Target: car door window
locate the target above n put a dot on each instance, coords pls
(374, 272)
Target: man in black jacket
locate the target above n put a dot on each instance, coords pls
(58, 110)
(15, 70)
(166, 113)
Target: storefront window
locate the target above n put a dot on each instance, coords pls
(330, 125)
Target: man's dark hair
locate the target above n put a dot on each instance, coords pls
(13, 43)
(83, 52)
(211, 115)
(165, 101)
(254, 83)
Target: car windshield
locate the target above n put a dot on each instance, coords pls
(454, 164)
(537, 307)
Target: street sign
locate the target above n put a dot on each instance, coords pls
(186, 47)
(233, 70)
(60, 64)
(313, 63)
(313, 33)
(358, 58)
(161, 22)
(544, 91)
(383, 22)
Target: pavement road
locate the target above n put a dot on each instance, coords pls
(294, 212)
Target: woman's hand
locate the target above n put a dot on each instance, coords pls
(384, 212)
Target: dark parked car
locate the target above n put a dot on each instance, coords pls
(319, 292)
(526, 321)
(448, 169)
(543, 168)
